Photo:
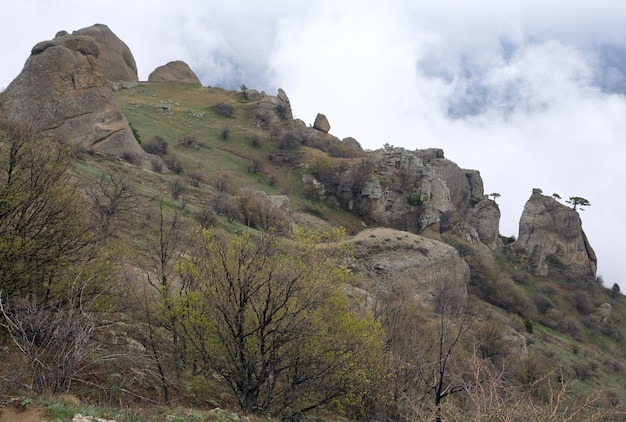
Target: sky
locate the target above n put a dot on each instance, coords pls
(530, 93)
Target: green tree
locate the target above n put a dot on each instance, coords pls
(270, 316)
(577, 201)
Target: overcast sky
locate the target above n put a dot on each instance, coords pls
(530, 93)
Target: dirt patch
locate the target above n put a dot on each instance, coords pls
(29, 414)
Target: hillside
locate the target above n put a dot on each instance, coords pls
(523, 326)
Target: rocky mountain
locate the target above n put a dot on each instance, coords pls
(63, 91)
(239, 161)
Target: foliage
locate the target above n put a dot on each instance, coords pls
(269, 316)
(577, 201)
(156, 145)
(45, 226)
(224, 110)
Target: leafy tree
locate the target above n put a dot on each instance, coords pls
(269, 315)
(495, 196)
(577, 201)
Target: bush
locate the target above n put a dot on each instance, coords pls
(206, 218)
(255, 141)
(177, 189)
(156, 145)
(226, 206)
(223, 110)
(175, 165)
(187, 141)
(225, 133)
(196, 177)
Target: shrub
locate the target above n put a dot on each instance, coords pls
(156, 145)
(206, 217)
(222, 182)
(288, 141)
(255, 141)
(415, 199)
(177, 189)
(223, 110)
(225, 133)
(254, 165)
(187, 141)
(226, 206)
(196, 177)
(175, 165)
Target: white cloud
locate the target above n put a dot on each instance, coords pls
(519, 90)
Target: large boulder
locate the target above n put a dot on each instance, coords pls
(115, 57)
(63, 92)
(388, 260)
(321, 123)
(175, 71)
(551, 236)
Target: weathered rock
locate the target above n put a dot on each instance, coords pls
(275, 112)
(115, 57)
(603, 312)
(387, 259)
(485, 218)
(516, 342)
(418, 191)
(321, 123)
(175, 71)
(63, 92)
(551, 236)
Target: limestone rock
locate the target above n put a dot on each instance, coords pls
(63, 92)
(485, 218)
(175, 71)
(603, 312)
(275, 112)
(321, 123)
(417, 191)
(551, 236)
(516, 342)
(388, 259)
(115, 57)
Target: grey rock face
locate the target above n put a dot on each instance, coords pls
(115, 57)
(551, 235)
(63, 92)
(321, 123)
(175, 71)
(417, 191)
(386, 259)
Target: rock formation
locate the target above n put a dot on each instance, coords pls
(551, 236)
(63, 92)
(321, 123)
(386, 260)
(176, 71)
(115, 57)
(417, 191)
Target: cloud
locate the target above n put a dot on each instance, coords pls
(530, 93)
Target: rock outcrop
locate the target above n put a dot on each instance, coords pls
(63, 92)
(321, 123)
(388, 260)
(417, 191)
(175, 71)
(115, 57)
(551, 236)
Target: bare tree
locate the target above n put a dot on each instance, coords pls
(54, 339)
(265, 314)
